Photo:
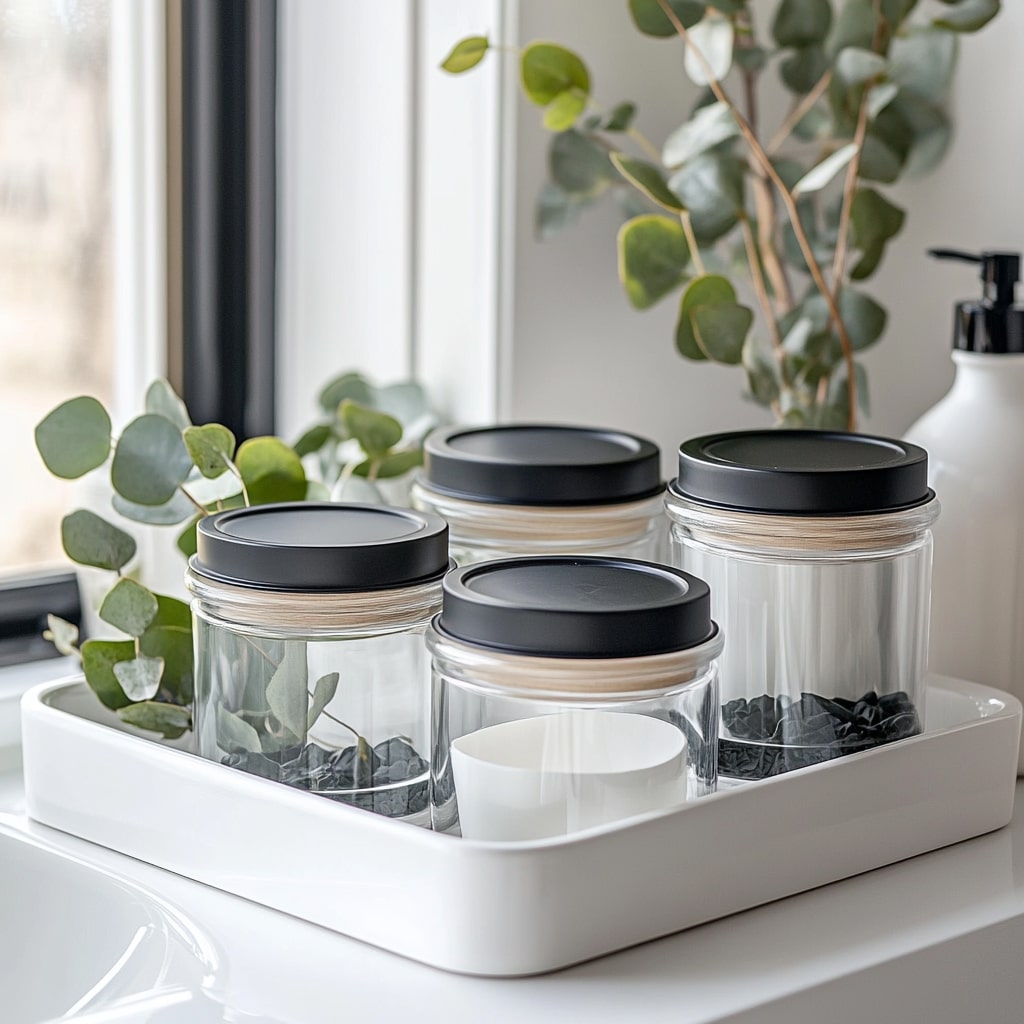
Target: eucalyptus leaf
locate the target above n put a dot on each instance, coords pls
(129, 607)
(548, 70)
(140, 677)
(170, 720)
(712, 325)
(863, 317)
(391, 465)
(801, 22)
(564, 110)
(929, 132)
(880, 96)
(878, 161)
(406, 401)
(234, 734)
(211, 447)
(873, 221)
(171, 612)
(317, 491)
(161, 400)
(271, 470)
(172, 512)
(314, 439)
(855, 66)
(650, 18)
(74, 438)
(712, 37)
(323, 693)
(802, 69)
(815, 124)
(838, 391)
(894, 11)
(98, 660)
(921, 62)
(653, 256)
(359, 490)
(620, 117)
(90, 540)
(287, 695)
(348, 385)
(762, 378)
(174, 645)
(711, 188)
(557, 210)
(186, 540)
(751, 58)
(465, 54)
(854, 25)
(967, 15)
(376, 432)
(821, 174)
(648, 179)
(579, 165)
(62, 634)
(150, 461)
(708, 127)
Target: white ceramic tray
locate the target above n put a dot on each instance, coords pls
(530, 907)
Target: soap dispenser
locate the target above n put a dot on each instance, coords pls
(974, 437)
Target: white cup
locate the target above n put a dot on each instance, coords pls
(555, 774)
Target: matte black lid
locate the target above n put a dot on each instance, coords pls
(567, 607)
(539, 464)
(802, 471)
(321, 546)
(993, 324)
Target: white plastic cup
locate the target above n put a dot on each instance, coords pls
(555, 774)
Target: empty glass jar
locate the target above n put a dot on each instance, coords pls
(569, 693)
(817, 549)
(310, 663)
(525, 489)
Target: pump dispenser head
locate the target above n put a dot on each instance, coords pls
(993, 324)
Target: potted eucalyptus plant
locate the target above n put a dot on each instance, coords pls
(794, 215)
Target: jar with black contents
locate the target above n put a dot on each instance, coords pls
(570, 693)
(817, 549)
(534, 489)
(310, 663)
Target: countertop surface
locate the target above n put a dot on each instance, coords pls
(938, 938)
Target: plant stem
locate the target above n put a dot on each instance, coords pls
(235, 470)
(757, 150)
(645, 144)
(762, 296)
(344, 725)
(198, 505)
(797, 114)
(691, 241)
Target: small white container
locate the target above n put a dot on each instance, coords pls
(536, 489)
(570, 692)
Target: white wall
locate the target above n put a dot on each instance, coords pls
(581, 353)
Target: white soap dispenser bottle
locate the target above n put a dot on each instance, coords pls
(976, 466)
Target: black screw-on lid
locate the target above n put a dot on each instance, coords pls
(567, 607)
(321, 546)
(802, 472)
(538, 464)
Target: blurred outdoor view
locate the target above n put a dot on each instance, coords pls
(55, 249)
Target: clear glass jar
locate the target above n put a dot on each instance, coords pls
(310, 663)
(526, 489)
(817, 550)
(570, 692)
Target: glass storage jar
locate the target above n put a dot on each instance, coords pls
(529, 489)
(817, 549)
(570, 692)
(310, 663)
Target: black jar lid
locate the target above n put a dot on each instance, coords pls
(802, 472)
(566, 607)
(542, 464)
(321, 546)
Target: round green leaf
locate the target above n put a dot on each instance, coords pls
(406, 401)
(90, 540)
(74, 438)
(376, 432)
(162, 401)
(392, 465)
(854, 26)
(650, 18)
(968, 15)
(140, 677)
(150, 461)
(557, 210)
(211, 447)
(711, 188)
(873, 221)
(821, 174)
(234, 735)
(578, 165)
(175, 511)
(466, 54)
(271, 470)
(564, 110)
(323, 693)
(174, 645)
(653, 255)
(712, 325)
(854, 65)
(170, 720)
(647, 179)
(129, 607)
(548, 70)
(921, 62)
(348, 385)
(878, 161)
(287, 695)
(802, 68)
(709, 126)
(619, 118)
(171, 612)
(713, 38)
(801, 22)
(98, 660)
(314, 439)
(186, 542)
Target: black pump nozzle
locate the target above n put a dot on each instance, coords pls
(999, 270)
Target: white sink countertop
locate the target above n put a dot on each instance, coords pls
(936, 938)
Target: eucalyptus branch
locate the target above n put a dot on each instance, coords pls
(849, 188)
(237, 473)
(762, 295)
(195, 501)
(757, 150)
(797, 114)
(634, 133)
(691, 241)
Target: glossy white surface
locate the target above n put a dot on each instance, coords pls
(518, 908)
